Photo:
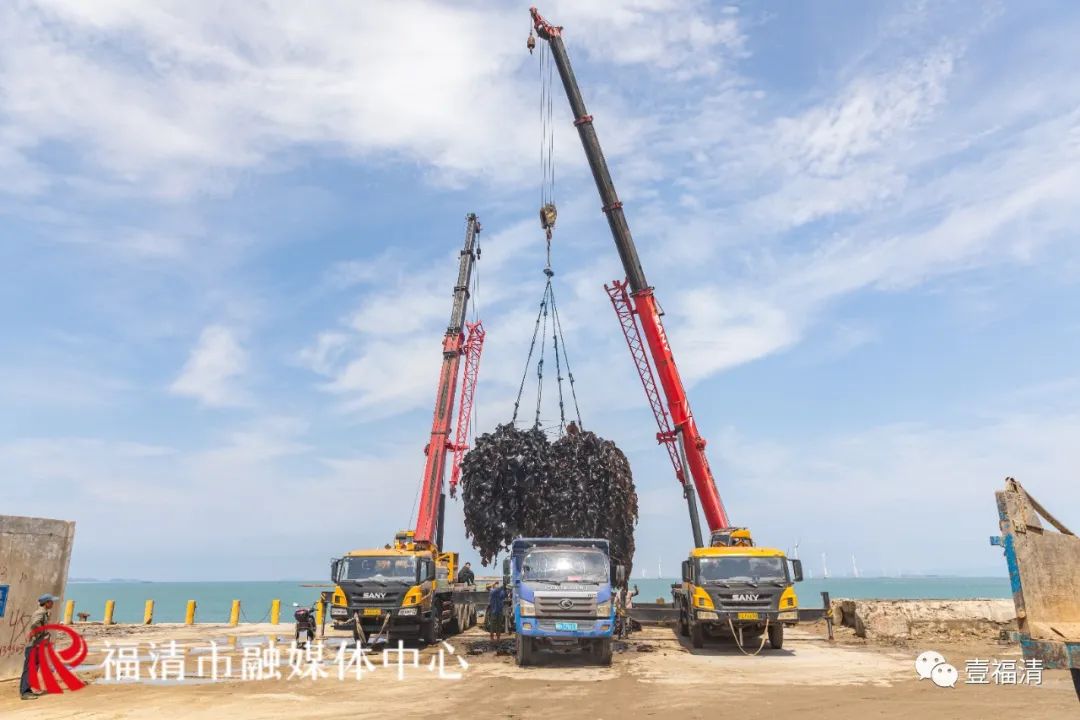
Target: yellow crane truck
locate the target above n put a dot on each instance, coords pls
(737, 591)
(405, 591)
(400, 592)
(731, 583)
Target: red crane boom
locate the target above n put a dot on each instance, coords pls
(429, 519)
(644, 306)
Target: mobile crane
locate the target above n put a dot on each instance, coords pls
(406, 590)
(729, 586)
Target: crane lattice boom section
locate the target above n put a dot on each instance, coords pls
(624, 309)
(474, 346)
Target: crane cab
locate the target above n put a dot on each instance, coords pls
(731, 537)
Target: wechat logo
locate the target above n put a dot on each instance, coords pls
(931, 665)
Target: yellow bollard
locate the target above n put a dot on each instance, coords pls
(69, 611)
(110, 605)
(148, 613)
(234, 616)
(319, 614)
(275, 611)
(189, 616)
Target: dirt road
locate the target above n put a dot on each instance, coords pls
(657, 675)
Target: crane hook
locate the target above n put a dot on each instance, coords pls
(548, 214)
(531, 43)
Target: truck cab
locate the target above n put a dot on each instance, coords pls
(737, 591)
(563, 595)
(401, 592)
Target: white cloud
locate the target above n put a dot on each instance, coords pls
(211, 371)
(245, 505)
(872, 111)
(165, 101)
(932, 484)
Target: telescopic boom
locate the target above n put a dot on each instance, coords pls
(645, 306)
(429, 519)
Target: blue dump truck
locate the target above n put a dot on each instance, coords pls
(563, 595)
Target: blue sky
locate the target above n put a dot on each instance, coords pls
(229, 238)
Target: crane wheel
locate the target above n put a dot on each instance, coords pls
(697, 636)
(429, 631)
(776, 636)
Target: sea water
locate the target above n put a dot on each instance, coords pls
(214, 599)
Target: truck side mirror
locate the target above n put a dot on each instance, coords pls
(687, 575)
(432, 570)
(620, 575)
(335, 569)
(796, 567)
(506, 571)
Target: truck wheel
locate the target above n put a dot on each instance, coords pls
(602, 650)
(523, 650)
(697, 635)
(776, 636)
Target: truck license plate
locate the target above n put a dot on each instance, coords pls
(368, 612)
(565, 626)
(748, 616)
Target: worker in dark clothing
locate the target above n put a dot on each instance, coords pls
(623, 604)
(465, 575)
(38, 619)
(493, 618)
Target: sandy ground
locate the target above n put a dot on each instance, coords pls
(657, 675)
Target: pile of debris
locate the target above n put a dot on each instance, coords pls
(481, 647)
(516, 484)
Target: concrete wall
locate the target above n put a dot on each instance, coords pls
(900, 620)
(34, 558)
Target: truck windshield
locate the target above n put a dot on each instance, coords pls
(562, 565)
(735, 569)
(378, 568)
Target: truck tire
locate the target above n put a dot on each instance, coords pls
(602, 650)
(523, 650)
(776, 636)
(697, 635)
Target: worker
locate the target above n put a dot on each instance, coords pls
(493, 617)
(623, 604)
(38, 619)
(466, 575)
